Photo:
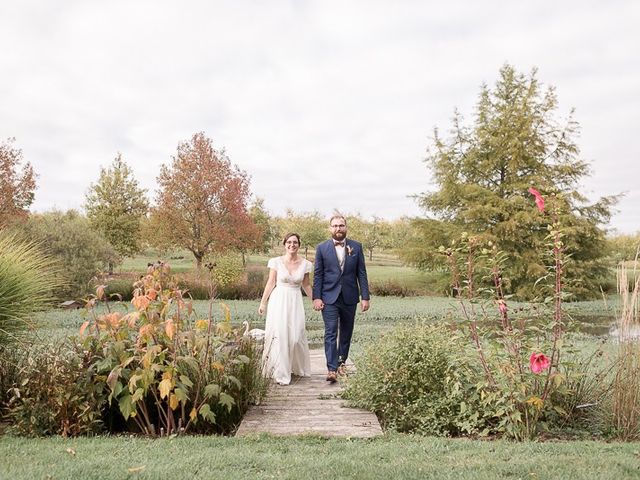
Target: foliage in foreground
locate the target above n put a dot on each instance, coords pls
(27, 278)
(53, 392)
(419, 378)
(520, 379)
(157, 370)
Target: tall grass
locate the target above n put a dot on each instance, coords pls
(626, 385)
(27, 277)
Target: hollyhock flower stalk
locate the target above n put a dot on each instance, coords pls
(539, 362)
(539, 199)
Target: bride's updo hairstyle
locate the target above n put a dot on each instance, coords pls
(289, 235)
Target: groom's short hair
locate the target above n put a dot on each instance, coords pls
(341, 217)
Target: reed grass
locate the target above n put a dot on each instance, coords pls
(625, 398)
(27, 278)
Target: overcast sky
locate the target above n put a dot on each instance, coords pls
(326, 104)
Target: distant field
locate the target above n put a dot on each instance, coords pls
(592, 317)
(384, 267)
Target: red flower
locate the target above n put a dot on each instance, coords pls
(539, 199)
(538, 362)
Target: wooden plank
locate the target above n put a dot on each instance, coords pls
(309, 405)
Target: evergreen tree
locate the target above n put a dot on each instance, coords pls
(483, 172)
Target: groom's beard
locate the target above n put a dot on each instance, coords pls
(339, 236)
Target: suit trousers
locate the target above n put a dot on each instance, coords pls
(338, 327)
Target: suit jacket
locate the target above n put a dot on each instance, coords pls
(329, 281)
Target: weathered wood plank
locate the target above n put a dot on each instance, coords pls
(310, 405)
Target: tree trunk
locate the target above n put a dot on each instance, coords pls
(199, 256)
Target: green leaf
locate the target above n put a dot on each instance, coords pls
(190, 361)
(181, 395)
(211, 390)
(126, 406)
(186, 380)
(138, 395)
(206, 413)
(226, 400)
(234, 380)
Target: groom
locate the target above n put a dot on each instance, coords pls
(339, 279)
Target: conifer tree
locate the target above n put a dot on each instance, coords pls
(483, 171)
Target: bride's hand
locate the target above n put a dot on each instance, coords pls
(261, 308)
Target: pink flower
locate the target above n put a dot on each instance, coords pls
(538, 362)
(539, 199)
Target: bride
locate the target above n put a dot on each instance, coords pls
(286, 349)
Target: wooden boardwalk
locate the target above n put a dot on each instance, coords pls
(309, 405)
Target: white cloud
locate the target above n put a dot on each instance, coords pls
(325, 104)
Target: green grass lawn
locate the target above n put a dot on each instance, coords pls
(385, 312)
(263, 457)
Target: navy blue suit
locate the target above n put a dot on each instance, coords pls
(340, 292)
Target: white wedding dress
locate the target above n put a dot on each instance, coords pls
(286, 349)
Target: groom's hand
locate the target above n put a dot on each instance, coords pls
(318, 304)
(365, 305)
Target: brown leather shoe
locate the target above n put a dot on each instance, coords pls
(332, 377)
(342, 370)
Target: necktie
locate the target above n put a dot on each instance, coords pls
(338, 244)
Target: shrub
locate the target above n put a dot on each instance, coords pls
(27, 278)
(120, 289)
(391, 288)
(68, 238)
(168, 372)
(226, 270)
(198, 287)
(418, 379)
(524, 376)
(56, 393)
(10, 356)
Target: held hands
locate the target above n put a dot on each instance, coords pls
(318, 304)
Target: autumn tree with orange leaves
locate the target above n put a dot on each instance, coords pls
(202, 201)
(17, 184)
